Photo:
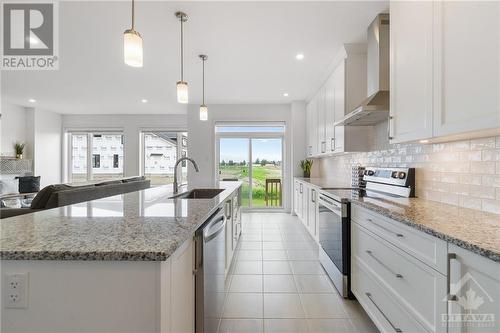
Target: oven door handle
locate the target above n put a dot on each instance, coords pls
(333, 206)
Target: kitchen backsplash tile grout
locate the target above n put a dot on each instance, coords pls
(462, 173)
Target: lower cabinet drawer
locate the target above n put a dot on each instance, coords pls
(428, 249)
(387, 315)
(420, 289)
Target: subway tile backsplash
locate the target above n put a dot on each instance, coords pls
(462, 173)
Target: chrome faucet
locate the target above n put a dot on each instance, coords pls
(176, 185)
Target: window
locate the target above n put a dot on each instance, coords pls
(95, 156)
(96, 161)
(160, 152)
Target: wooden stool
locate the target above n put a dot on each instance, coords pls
(273, 186)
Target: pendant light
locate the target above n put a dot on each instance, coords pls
(132, 44)
(203, 107)
(182, 86)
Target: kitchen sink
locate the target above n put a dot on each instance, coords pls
(198, 193)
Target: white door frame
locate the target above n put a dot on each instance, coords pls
(250, 136)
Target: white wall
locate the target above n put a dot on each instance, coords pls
(48, 146)
(201, 143)
(130, 125)
(41, 131)
(13, 129)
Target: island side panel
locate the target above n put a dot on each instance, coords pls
(85, 296)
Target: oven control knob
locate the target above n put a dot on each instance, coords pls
(402, 175)
(370, 172)
(394, 174)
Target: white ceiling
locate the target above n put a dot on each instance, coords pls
(251, 48)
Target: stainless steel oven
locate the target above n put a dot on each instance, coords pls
(334, 241)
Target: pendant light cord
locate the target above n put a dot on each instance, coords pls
(203, 85)
(182, 49)
(133, 14)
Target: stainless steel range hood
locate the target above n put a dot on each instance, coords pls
(375, 108)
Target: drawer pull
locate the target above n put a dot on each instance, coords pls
(451, 297)
(399, 276)
(398, 330)
(386, 229)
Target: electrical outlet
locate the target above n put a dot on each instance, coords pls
(16, 291)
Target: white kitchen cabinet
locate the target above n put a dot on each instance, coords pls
(475, 283)
(182, 305)
(445, 70)
(296, 189)
(228, 211)
(467, 66)
(321, 121)
(411, 73)
(311, 127)
(299, 199)
(339, 105)
(344, 90)
(330, 114)
(312, 208)
(418, 288)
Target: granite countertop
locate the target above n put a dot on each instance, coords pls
(143, 225)
(470, 229)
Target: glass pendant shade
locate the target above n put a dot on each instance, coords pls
(182, 92)
(203, 112)
(132, 48)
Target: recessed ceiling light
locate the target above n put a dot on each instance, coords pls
(299, 56)
(32, 100)
(424, 141)
(285, 94)
(144, 100)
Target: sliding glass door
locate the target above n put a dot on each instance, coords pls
(234, 164)
(254, 156)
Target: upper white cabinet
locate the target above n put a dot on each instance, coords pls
(445, 68)
(411, 57)
(467, 62)
(343, 90)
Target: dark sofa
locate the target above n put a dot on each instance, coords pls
(59, 195)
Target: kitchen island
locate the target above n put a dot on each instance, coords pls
(118, 264)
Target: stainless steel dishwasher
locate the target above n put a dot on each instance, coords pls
(210, 258)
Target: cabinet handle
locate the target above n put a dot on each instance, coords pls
(450, 257)
(399, 276)
(384, 228)
(389, 126)
(396, 329)
(313, 197)
(332, 147)
(301, 189)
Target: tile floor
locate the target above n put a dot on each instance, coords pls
(276, 283)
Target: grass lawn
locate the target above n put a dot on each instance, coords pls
(260, 174)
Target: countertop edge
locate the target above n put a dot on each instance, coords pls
(138, 256)
(489, 254)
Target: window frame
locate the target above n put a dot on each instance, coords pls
(89, 133)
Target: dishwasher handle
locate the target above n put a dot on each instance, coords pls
(214, 227)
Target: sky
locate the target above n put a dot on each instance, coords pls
(237, 149)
